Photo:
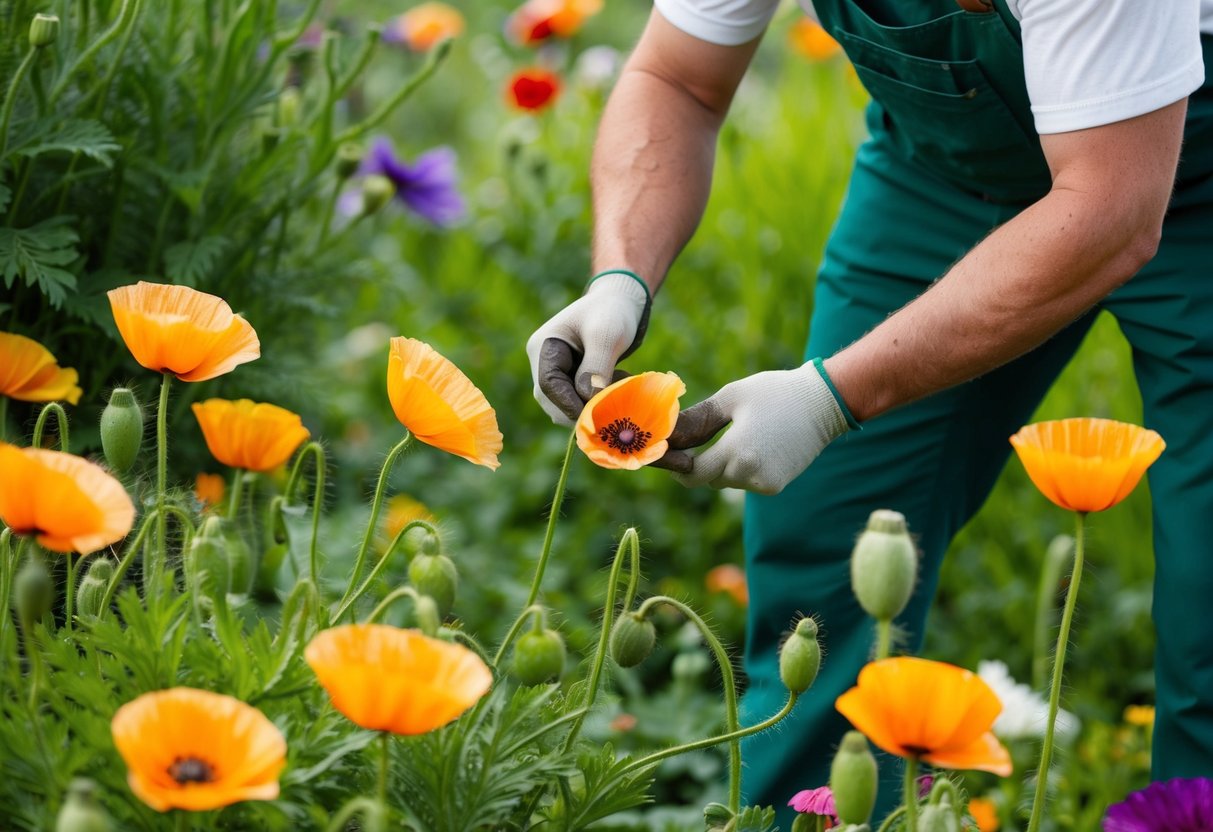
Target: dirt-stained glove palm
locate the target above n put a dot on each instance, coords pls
(780, 421)
(573, 355)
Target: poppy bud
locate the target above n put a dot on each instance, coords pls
(716, 816)
(800, 657)
(43, 30)
(207, 567)
(92, 588)
(539, 657)
(853, 779)
(288, 107)
(33, 591)
(632, 639)
(377, 191)
(884, 565)
(121, 429)
(437, 577)
(939, 817)
(81, 812)
(425, 612)
(349, 158)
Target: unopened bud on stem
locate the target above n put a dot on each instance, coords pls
(632, 639)
(81, 812)
(121, 429)
(884, 566)
(92, 588)
(437, 577)
(800, 657)
(853, 779)
(43, 30)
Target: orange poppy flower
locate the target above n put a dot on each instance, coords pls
(810, 39)
(423, 26)
(985, 813)
(627, 424)
(29, 373)
(401, 510)
(537, 20)
(68, 503)
(209, 489)
(1086, 464)
(179, 330)
(933, 711)
(388, 679)
(728, 578)
(196, 750)
(252, 435)
(533, 89)
(440, 405)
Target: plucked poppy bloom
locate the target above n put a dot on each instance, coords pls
(1170, 806)
(626, 425)
(1086, 464)
(196, 750)
(69, 504)
(537, 20)
(209, 489)
(931, 711)
(251, 435)
(29, 373)
(427, 186)
(424, 26)
(439, 404)
(179, 330)
(729, 578)
(810, 39)
(819, 801)
(389, 679)
(533, 88)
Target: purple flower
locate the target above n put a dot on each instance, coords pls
(427, 186)
(818, 801)
(1172, 806)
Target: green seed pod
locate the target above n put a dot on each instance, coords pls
(121, 429)
(289, 103)
(884, 566)
(853, 779)
(939, 817)
(425, 611)
(208, 569)
(377, 191)
(43, 30)
(716, 816)
(800, 657)
(92, 588)
(349, 158)
(437, 577)
(538, 657)
(33, 591)
(81, 812)
(632, 639)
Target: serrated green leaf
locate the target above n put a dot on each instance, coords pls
(37, 254)
(756, 819)
(84, 136)
(192, 261)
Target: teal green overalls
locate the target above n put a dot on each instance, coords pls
(953, 153)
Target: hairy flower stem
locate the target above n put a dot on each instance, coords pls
(233, 499)
(888, 825)
(60, 418)
(391, 598)
(515, 628)
(316, 451)
(884, 639)
(376, 507)
(345, 605)
(1056, 560)
(10, 98)
(151, 571)
(124, 563)
(732, 723)
(71, 591)
(383, 760)
(911, 794)
(8, 565)
(1059, 662)
(553, 516)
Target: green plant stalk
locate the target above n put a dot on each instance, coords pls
(884, 639)
(71, 591)
(383, 761)
(435, 58)
(124, 563)
(553, 516)
(342, 819)
(1059, 662)
(96, 46)
(911, 794)
(732, 721)
(115, 61)
(151, 577)
(316, 451)
(233, 498)
(391, 598)
(326, 223)
(60, 418)
(181, 823)
(8, 566)
(10, 98)
(515, 628)
(1049, 576)
(888, 826)
(379, 567)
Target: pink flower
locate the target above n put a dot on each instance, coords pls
(818, 801)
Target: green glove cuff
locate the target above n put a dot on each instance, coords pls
(842, 405)
(648, 296)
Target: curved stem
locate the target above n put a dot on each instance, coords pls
(342, 819)
(389, 599)
(10, 98)
(515, 628)
(732, 722)
(557, 499)
(884, 639)
(887, 826)
(1059, 662)
(124, 563)
(115, 60)
(376, 506)
(316, 451)
(470, 643)
(356, 131)
(379, 567)
(60, 418)
(96, 46)
(911, 794)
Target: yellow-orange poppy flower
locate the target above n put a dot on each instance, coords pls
(439, 404)
(196, 750)
(388, 679)
(179, 330)
(810, 39)
(68, 503)
(423, 26)
(30, 373)
(251, 435)
(537, 20)
(985, 814)
(627, 424)
(1086, 464)
(209, 489)
(728, 578)
(401, 510)
(933, 711)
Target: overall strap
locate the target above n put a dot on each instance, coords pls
(1012, 22)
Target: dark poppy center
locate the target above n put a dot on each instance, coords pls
(916, 750)
(191, 770)
(625, 436)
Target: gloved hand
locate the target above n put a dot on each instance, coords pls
(781, 420)
(573, 355)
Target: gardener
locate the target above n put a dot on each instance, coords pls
(1022, 158)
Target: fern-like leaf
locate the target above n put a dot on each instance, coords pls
(37, 255)
(192, 261)
(84, 136)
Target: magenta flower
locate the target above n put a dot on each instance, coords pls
(427, 187)
(1171, 806)
(818, 801)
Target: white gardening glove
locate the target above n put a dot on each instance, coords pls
(780, 421)
(573, 355)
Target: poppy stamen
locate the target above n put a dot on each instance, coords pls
(625, 436)
(191, 770)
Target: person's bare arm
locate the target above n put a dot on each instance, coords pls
(1097, 226)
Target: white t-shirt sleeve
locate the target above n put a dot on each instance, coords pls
(723, 22)
(1094, 62)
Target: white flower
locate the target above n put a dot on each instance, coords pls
(597, 67)
(1024, 711)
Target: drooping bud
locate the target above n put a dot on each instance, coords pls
(208, 569)
(92, 588)
(377, 191)
(349, 159)
(800, 657)
(632, 639)
(33, 591)
(884, 565)
(81, 812)
(853, 779)
(716, 816)
(43, 30)
(426, 613)
(289, 102)
(538, 657)
(121, 429)
(437, 577)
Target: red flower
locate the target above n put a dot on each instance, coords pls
(533, 88)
